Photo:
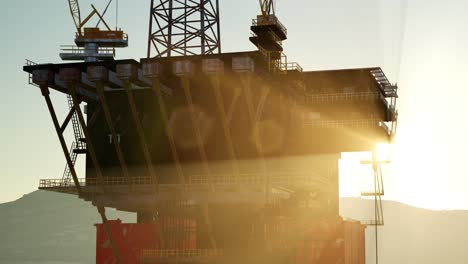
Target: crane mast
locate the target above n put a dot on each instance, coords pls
(268, 34)
(92, 43)
(75, 12)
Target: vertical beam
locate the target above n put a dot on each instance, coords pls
(150, 33)
(89, 144)
(218, 26)
(63, 144)
(140, 132)
(215, 83)
(115, 252)
(45, 93)
(246, 80)
(110, 125)
(207, 219)
(185, 28)
(169, 132)
(374, 168)
(169, 32)
(201, 149)
(186, 86)
(202, 26)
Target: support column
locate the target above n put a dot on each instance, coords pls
(127, 73)
(99, 74)
(45, 92)
(89, 144)
(214, 68)
(63, 144)
(152, 70)
(246, 80)
(184, 69)
(115, 251)
(169, 132)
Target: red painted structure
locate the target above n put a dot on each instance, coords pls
(325, 241)
(131, 239)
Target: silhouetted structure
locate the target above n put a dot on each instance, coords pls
(228, 158)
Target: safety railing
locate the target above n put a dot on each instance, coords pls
(387, 88)
(180, 253)
(30, 78)
(373, 222)
(314, 98)
(269, 20)
(117, 35)
(72, 49)
(293, 66)
(354, 123)
(285, 178)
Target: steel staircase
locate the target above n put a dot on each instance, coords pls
(388, 89)
(78, 146)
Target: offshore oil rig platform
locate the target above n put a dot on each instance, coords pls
(224, 157)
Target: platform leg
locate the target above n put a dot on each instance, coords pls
(50, 106)
(215, 83)
(246, 80)
(141, 134)
(169, 132)
(110, 125)
(201, 149)
(89, 144)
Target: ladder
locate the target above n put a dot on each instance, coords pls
(377, 194)
(388, 89)
(78, 146)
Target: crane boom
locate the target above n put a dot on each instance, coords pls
(267, 7)
(75, 12)
(93, 44)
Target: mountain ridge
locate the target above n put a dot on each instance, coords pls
(52, 228)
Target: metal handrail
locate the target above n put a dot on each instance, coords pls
(286, 178)
(358, 123)
(341, 96)
(124, 36)
(180, 253)
(270, 20)
(293, 66)
(79, 50)
(30, 77)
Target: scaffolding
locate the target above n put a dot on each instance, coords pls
(183, 28)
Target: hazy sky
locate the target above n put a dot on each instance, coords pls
(421, 44)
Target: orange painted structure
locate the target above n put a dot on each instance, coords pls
(324, 241)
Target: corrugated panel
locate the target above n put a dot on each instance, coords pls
(131, 239)
(354, 238)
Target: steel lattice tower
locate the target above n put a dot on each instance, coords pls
(183, 27)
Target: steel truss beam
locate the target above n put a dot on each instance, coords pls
(215, 83)
(110, 125)
(184, 27)
(169, 132)
(58, 129)
(254, 116)
(141, 134)
(201, 149)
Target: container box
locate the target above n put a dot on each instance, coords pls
(152, 69)
(243, 64)
(183, 68)
(97, 73)
(212, 66)
(127, 71)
